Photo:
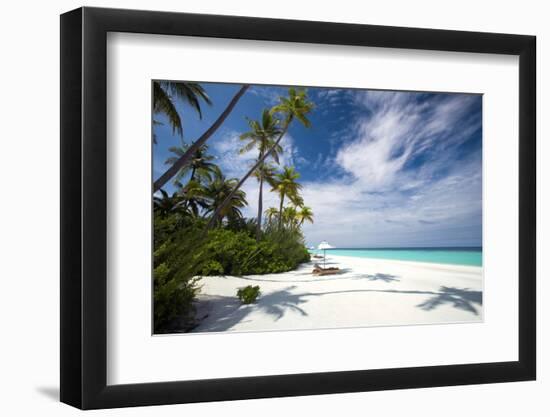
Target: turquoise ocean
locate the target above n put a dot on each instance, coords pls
(454, 256)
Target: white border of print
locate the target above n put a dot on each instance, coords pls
(134, 356)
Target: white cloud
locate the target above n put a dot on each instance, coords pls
(398, 129)
(268, 93)
(348, 216)
(382, 204)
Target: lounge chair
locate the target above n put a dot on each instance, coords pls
(319, 270)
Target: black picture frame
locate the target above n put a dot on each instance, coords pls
(84, 207)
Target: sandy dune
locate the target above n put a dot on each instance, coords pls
(368, 292)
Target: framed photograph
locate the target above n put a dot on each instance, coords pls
(257, 208)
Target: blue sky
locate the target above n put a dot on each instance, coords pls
(378, 168)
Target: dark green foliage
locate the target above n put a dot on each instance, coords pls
(242, 225)
(248, 294)
(175, 283)
(231, 252)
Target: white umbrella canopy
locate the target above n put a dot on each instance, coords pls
(324, 245)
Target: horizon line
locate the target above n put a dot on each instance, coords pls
(409, 247)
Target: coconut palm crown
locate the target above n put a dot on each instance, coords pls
(166, 92)
(286, 185)
(215, 193)
(200, 168)
(305, 215)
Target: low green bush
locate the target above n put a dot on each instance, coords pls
(237, 253)
(248, 294)
(176, 263)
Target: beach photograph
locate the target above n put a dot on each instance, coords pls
(279, 208)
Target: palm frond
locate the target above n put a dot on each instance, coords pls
(188, 92)
(247, 148)
(163, 104)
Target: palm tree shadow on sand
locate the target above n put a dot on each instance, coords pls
(377, 277)
(463, 299)
(225, 312)
(221, 313)
(333, 277)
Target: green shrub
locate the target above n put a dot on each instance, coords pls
(232, 252)
(248, 294)
(176, 262)
(212, 267)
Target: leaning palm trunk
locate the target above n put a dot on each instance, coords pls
(248, 174)
(186, 157)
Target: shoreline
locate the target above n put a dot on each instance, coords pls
(366, 292)
(393, 260)
(423, 264)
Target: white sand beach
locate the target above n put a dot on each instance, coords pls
(367, 292)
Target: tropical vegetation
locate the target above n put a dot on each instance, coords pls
(200, 229)
(248, 294)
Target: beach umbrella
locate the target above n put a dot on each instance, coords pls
(324, 245)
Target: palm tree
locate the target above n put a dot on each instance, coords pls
(164, 93)
(271, 214)
(296, 106)
(166, 204)
(261, 136)
(188, 155)
(200, 166)
(194, 197)
(285, 185)
(290, 217)
(216, 192)
(305, 215)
